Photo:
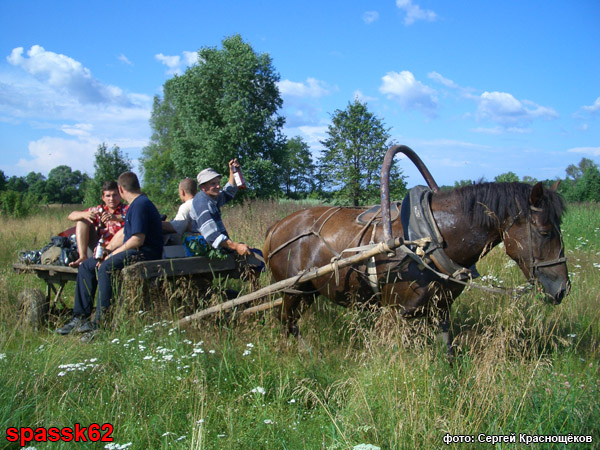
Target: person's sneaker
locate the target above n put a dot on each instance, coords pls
(89, 336)
(88, 326)
(74, 325)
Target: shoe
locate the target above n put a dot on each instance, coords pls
(89, 336)
(74, 325)
(88, 326)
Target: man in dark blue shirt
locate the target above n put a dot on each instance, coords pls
(142, 240)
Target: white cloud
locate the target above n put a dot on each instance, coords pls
(503, 108)
(414, 12)
(177, 64)
(124, 59)
(442, 80)
(65, 76)
(49, 152)
(592, 151)
(501, 130)
(79, 129)
(55, 93)
(311, 88)
(592, 109)
(370, 16)
(409, 92)
(358, 95)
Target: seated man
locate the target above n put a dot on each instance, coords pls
(142, 240)
(181, 223)
(206, 213)
(99, 221)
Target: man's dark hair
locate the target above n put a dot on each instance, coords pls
(129, 181)
(109, 186)
(189, 186)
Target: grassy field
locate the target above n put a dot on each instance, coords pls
(355, 380)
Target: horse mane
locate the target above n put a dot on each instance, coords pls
(487, 204)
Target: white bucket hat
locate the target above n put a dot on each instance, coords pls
(206, 175)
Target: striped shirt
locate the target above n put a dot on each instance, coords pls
(205, 215)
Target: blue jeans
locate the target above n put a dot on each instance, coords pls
(90, 279)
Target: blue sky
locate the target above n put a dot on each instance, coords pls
(475, 88)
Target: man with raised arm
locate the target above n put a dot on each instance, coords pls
(206, 209)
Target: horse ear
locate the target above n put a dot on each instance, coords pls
(555, 185)
(537, 192)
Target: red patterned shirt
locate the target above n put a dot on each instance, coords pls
(108, 230)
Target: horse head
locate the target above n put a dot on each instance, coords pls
(533, 240)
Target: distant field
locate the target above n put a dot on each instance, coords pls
(523, 367)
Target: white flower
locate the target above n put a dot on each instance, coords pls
(2, 356)
(62, 374)
(268, 422)
(259, 390)
(365, 447)
(246, 353)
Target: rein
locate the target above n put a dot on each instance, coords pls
(532, 260)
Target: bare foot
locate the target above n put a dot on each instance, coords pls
(76, 264)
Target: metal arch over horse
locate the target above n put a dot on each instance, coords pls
(471, 221)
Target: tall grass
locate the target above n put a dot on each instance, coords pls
(355, 376)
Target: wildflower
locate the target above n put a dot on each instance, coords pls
(115, 341)
(2, 356)
(166, 433)
(250, 345)
(246, 353)
(259, 390)
(212, 352)
(62, 374)
(268, 422)
(115, 446)
(292, 401)
(365, 447)
(572, 335)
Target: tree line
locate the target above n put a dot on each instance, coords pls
(228, 106)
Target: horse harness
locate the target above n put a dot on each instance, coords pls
(423, 245)
(534, 264)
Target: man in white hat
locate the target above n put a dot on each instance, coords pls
(205, 214)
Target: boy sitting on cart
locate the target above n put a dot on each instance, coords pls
(102, 221)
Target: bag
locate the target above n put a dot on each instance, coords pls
(195, 245)
(59, 252)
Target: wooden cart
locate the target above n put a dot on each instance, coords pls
(36, 304)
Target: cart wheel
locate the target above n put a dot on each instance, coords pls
(33, 308)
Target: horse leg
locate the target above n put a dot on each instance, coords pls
(290, 313)
(446, 331)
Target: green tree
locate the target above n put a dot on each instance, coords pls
(108, 165)
(353, 155)
(36, 185)
(2, 181)
(160, 177)
(575, 172)
(298, 169)
(225, 107)
(508, 177)
(64, 185)
(17, 184)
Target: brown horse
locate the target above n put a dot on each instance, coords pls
(472, 220)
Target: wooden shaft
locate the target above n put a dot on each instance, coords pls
(382, 247)
(262, 307)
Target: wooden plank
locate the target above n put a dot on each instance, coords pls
(382, 247)
(196, 265)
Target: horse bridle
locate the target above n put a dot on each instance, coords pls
(532, 260)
